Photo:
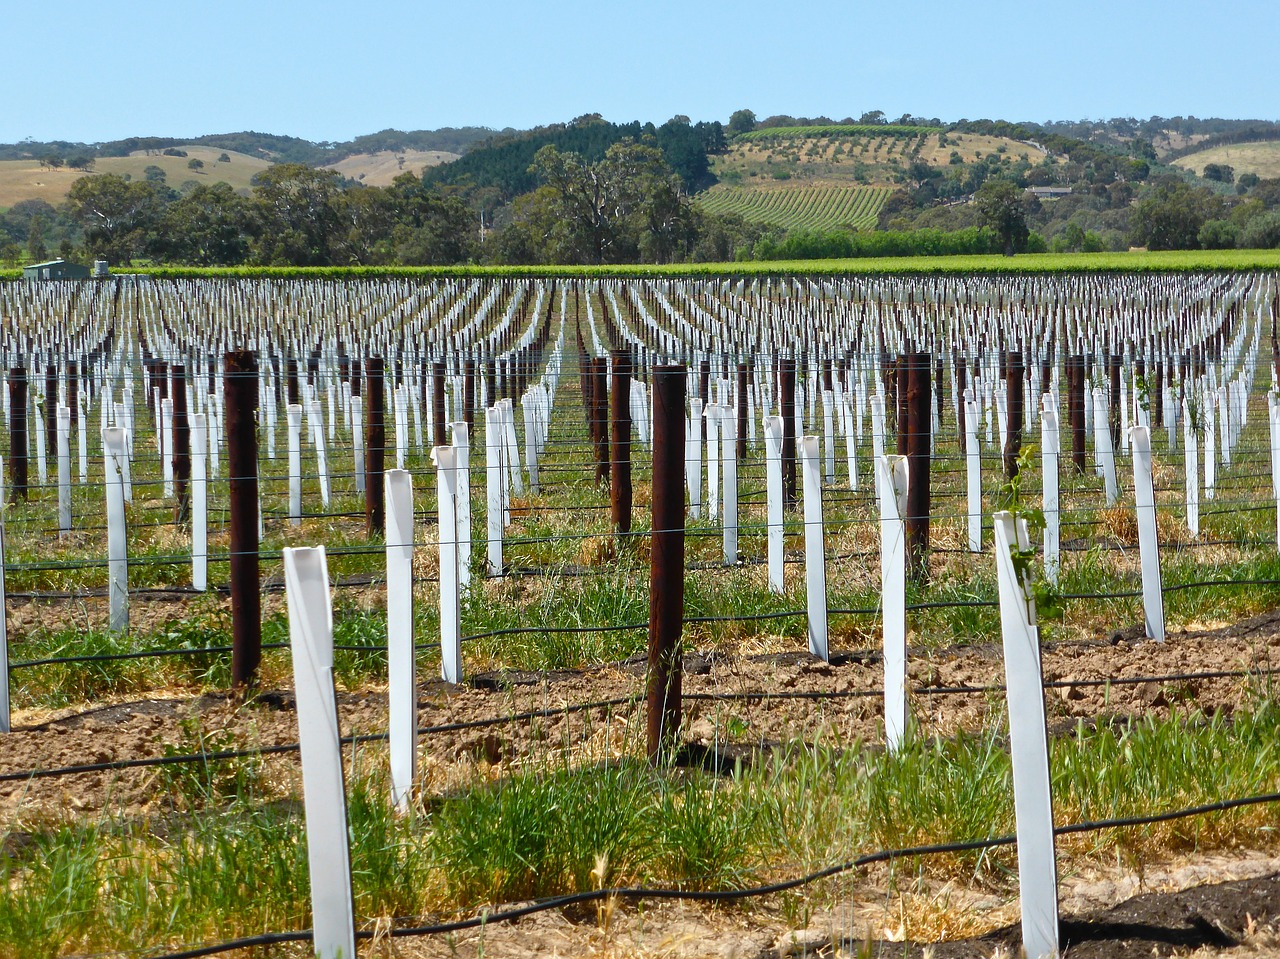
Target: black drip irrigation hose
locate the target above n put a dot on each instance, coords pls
(747, 696)
(568, 630)
(185, 651)
(284, 748)
(725, 895)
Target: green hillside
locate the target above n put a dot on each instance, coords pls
(800, 207)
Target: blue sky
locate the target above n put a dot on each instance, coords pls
(91, 71)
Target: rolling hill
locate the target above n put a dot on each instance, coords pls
(1260, 158)
(380, 169)
(863, 158)
(26, 180)
(817, 181)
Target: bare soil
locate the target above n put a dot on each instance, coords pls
(751, 702)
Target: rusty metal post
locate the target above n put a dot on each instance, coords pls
(1113, 372)
(375, 447)
(51, 410)
(787, 389)
(1014, 374)
(161, 383)
(148, 380)
(181, 446)
(241, 400)
(469, 395)
(939, 389)
(666, 561)
(1075, 410)
(599, 385)
(918, 428)
(1157, 394)
(620, 446)
(902, 417)
(439, 429)
(73, 391)
(292, 391)
(17, 434)
(743, 387)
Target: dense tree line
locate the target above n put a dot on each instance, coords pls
(628, 205)
(820, 245)
(505, 169)
(1115, 202)
(36, 230)
(591, 191)
(296, 215)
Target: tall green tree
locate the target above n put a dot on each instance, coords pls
(431, 229)
(36, 250)
(612, 210)
(1002, 205)
(210, 226)
(742, 121)
(296, 215)
(118, 216)
(1172, 214)
(367, 216)
(1219, 172)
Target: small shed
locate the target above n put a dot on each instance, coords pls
(55, 270)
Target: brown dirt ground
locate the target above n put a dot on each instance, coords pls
(1162, 920)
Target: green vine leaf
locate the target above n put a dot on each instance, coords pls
(1048, 596)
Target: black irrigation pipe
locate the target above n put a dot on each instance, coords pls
(185, 651)
(625, 627)
(141, 654)
(569, 630)
(179, 592)
(464, 725)
(428, 517)
(121, 764)
(182, 559)
(728, 895)
(1178, 587)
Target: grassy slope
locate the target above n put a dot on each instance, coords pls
(380, 169)
(845, 159)
(1260, 158)
(25, 180)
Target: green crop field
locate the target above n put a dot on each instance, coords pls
(1177, 261)
(804, 208)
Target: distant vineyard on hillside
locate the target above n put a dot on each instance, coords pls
(838, 130)
(803, 208)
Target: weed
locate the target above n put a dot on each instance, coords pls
(209, 782)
